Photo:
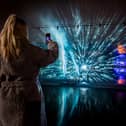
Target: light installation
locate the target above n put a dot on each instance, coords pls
(86, 50)
(120, 63)
(87, 57)
(87, 53)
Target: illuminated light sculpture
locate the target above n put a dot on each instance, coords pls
(121, 65)
(83, 43)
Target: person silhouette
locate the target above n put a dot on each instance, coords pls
(20, 61)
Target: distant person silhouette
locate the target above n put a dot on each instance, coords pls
(20, 99)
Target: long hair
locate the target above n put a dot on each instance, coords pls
(11, 41)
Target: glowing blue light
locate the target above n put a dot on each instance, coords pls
(122, 56)
(122, 63)
(121, 77)
(84, 67)
(122, 70)
(85, 51)
(81, 45)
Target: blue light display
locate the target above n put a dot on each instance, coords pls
(83, 43)
(87, 53)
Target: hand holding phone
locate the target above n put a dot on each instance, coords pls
(48, 37)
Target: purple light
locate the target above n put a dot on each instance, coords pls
(122, 56)
(122, 70)
(122, 63)
(116, 70)
(121, 77)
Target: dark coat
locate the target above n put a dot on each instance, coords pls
(18, 87)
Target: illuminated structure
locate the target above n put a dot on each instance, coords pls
(121, 64)
(86, 50)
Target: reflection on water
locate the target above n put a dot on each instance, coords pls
(62, 103)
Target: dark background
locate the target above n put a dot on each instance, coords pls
(32, 11)
(90, 8)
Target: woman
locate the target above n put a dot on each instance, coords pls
(20, 100)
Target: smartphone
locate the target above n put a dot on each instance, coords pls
(48, 37)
